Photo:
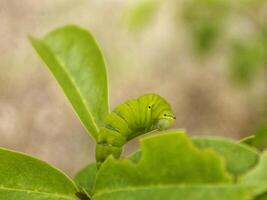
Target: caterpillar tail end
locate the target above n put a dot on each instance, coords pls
(104, 150)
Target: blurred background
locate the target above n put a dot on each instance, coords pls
(208, 58)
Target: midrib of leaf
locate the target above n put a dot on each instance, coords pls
(79, 93)
(72, 82)
(28, 191)
(168, 186)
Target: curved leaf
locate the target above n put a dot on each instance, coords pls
(76, 61)
(24, 177)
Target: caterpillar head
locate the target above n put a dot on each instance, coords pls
(165, 120)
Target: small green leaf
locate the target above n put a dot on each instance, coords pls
(76, 61)
(239, 157)
(23, 177)
(85, 178)
(168, 160)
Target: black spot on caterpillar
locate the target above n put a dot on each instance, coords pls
(129, 120)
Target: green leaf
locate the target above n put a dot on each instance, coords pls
(76, 61)
(85, 178)
(239, 157)
(23, 177)
(168, 160)
(258, 176)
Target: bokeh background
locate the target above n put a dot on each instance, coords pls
(207, 57)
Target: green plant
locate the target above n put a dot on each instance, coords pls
(169, 165)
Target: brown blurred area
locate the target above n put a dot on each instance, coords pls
(35, 116)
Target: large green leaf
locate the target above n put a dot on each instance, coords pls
(26, 178)
(169, 162)
(76, 61)
(239, 157)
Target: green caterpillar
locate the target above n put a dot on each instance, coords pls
(128, 120)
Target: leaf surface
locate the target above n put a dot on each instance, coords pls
(169, 162)
(75, 60)
(23, 177)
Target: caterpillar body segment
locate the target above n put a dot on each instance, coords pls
(131, 119)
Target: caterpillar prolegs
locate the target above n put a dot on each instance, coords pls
(131, 119)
